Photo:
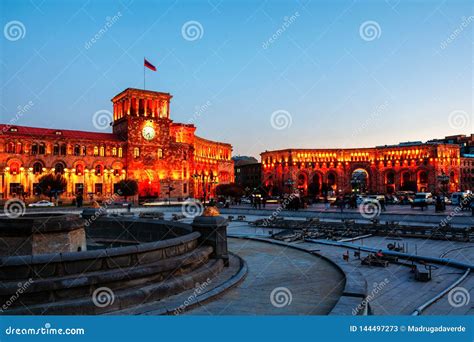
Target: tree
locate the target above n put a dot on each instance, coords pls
(229, 190)
(127, 188)
(52, 185)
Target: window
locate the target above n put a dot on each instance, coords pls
(59, 168)
(98, 170)
(116, 172)
(42, 148)
(102, 151)
(11, 147)
(79, 169)
(77, 150)
(79, 187)
(37, 168)
(63, 149)
(84, 150)
(34, 148)
(98, 188)
(114, 151)
(19, 148)
(160, 153)
(120, 152)
(14, 168)
(136, 152)
(96, 151)
(185, 188)
(56, 149)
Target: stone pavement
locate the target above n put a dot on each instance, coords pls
(313, 284)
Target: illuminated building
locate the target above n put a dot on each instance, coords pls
(383, 169)
(145, 145)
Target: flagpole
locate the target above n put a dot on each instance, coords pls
(143, 73)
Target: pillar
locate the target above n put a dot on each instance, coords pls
(213, 230)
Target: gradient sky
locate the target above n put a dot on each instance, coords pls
(339, 89)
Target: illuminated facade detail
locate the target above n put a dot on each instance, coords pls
(145, 145)
(386, 169)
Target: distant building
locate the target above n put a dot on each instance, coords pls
(247, 171)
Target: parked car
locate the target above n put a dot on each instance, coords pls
(422, 200)
(42, 203)
(458, 197)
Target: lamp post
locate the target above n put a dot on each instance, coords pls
(289, 183)
(444, 181)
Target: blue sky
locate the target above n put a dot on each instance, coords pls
(338, 85)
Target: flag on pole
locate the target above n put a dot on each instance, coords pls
(149, 65)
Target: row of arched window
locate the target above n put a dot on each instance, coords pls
(38, 168)
(62, 149)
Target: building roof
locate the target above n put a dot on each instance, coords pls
(13, 131)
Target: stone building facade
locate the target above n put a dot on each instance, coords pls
(145, 145)
(384, 169)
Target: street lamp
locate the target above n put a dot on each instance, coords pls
(444, 180)
(289, 183)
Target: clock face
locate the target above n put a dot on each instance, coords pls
(148, 132)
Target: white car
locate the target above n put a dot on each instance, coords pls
(43, 203)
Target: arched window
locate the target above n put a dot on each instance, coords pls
(84, 150)
(102, 151)
(34, 148)
(63, 149)
(59, 168)
(120, 152)
(160, 153)
(19, 148)
(37, 168)
(116, 172)
(96, 151)
(77, 150)
(98, 170)
(11, 147)
(114, 151)
(56, 149)
(42, 148)
(79, 169)
(136, 152)
(14, 168)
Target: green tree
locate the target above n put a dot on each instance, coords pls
(52, 185)
(127, 188)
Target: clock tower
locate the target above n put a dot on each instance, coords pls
(141, 118)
